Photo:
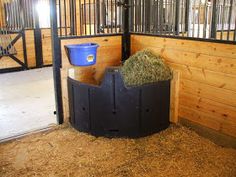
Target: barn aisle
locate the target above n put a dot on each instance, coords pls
(26, 102)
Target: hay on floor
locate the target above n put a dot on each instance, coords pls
(174, 152)
(145, 67)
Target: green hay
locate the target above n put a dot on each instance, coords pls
(145, 67)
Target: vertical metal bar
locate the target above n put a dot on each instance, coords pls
(194, 12)
(65, 18)
(205, 19)
(213, 20)
(116, 15)
(182, 16)
(94, 16)
(56, 62)
(187, 15)
(38, 40)
(229, 19)
(13, 5)
(140, 16)
(107, 16)
(98, 15)
(60, 20)
(235, 30)
(143, 16)
(90, 25)
(157, 20)
(85, 20)
(136, 16)
(28, 23)
(161, 16)
(80, 19)
(72, 17)
(147, 15)
(223, 20)
(199, 13)
(126, 34)
(111, 16)
(24, 48)
(121, 19)
(177, 17)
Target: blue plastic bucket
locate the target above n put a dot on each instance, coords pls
(82, 54)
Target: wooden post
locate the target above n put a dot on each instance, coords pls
(174, 97)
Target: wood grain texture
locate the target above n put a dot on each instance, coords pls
(46, 46)
(174, 97)
(207, 91)
(108, 54)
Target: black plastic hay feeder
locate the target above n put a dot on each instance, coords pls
(113, 110)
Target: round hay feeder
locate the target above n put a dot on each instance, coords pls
(114, 110)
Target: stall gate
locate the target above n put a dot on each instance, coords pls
(25, 39)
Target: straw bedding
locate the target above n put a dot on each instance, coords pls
(175, 152)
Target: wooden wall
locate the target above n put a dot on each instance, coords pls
(109, 54)
(207, 90)
(7, 62)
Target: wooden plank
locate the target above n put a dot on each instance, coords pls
(220, 95)
(222, 111)
(31, 58)
(212, 63)
(46, 46)
(197, 117)
(216, 79)
(207, 120)
(207, 48)
(174, 97)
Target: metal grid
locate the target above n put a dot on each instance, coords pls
(206, 19)
(89, 17)
(19, 14)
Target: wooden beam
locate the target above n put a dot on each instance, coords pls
(174, 98)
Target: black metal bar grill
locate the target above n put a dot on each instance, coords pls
(89, 17)
(204, 19)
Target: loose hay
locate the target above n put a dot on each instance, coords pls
(144, 67)
(174, 152)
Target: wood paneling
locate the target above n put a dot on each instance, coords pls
(109, 54)
(29, 35)
(207, 89)
(46, 46)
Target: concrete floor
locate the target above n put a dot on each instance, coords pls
(26, 102)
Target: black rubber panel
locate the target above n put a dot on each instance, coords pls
(114, 110)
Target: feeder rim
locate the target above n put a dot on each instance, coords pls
(83, 45)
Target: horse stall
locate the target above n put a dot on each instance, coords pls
(182, 125)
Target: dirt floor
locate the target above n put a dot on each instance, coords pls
(176, 151)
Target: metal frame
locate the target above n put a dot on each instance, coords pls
(56, 55)
(184, 18)
(186, 38)
(126, 33)
(38, 42)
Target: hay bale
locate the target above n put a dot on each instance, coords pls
(144, 67)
